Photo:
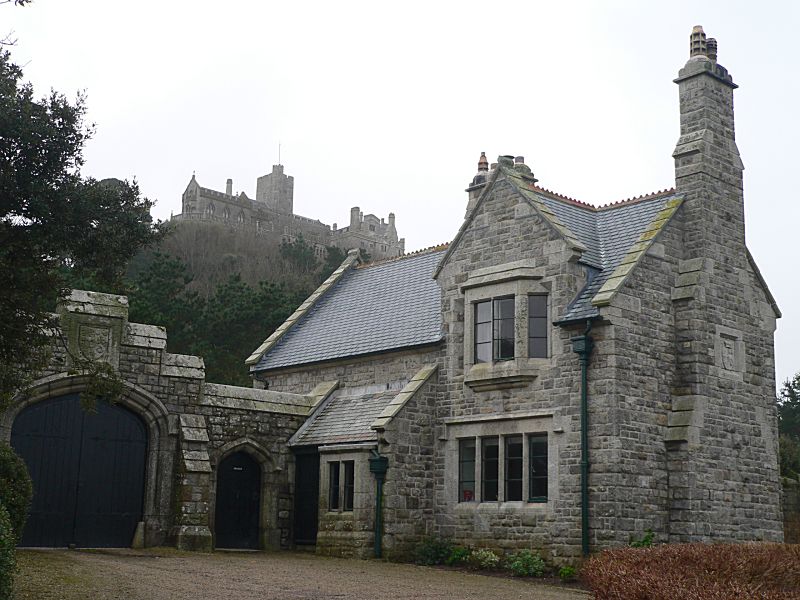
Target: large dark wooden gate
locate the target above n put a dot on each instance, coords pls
(87, 470)
(306, 497)
(238, 502)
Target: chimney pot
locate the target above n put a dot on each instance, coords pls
(483, 163)
(697, 42)
(711, 45)
(229, 187)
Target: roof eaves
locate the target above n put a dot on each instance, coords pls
(319, 396)
(398, 402)
(352, 257)
(763, 283)
(635, 253)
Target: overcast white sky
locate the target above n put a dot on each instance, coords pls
(387, 106)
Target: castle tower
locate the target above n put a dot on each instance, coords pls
(276, 190)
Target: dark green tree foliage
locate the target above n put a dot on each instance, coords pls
(160, 296)
(789, 427)
(235, 321)
(51, 219)
(333, 258)
(16, 489)
(789, 407)
(300, 256)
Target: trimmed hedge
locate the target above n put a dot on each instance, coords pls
(8, 559)
(16, 489)
(696, 572)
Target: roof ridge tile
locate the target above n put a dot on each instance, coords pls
(428, 250)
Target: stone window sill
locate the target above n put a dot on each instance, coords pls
(516, 373)
(501, 506)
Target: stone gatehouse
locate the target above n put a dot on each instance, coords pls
(560, 376)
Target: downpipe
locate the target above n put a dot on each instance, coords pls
(582, 345)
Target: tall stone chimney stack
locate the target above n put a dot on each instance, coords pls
(478, 182)
(229, 187)
(708, 169)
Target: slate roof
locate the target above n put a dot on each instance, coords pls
(385, 306)
(608, 232)
(347, 416)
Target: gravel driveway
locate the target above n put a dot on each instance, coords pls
(165, 574)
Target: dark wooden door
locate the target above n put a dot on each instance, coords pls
(87, 470)
(238, 502)
(306, 498)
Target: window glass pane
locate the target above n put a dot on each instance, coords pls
(483, 332)
(513, 472)
(466, 470)
(333, 486)
(504, 349)
(483, 312)
(538, 347)
(483, 352)
(504, 308)
(537, 445)
(537, 306)
(490, 450)
(349, 484)
(506, 329)
(538, 327)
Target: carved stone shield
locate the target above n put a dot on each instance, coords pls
(94, 343)
(728, 353)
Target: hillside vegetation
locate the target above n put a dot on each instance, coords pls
(219, 291)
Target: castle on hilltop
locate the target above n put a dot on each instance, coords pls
(271, 213)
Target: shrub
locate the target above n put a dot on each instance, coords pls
(696, 571)
(645, 542)
(15, 488)
(432, 551)
(567, 573)
(458, 555)
(484, 559)
(8, 563)
(525, 564)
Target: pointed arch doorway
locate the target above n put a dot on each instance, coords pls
(238, 502)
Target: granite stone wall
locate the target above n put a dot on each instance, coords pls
(407, 440)
(191, 424)
(544, 394)
(388, 367)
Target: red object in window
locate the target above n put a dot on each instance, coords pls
(467, 495)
